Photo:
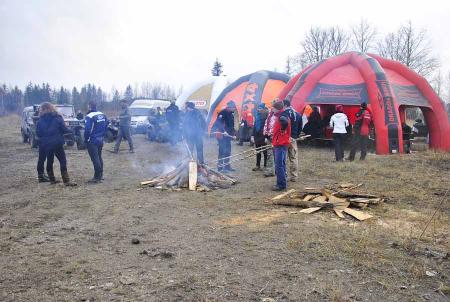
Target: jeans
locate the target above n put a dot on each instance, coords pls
(362, 141)
(338, 139)
(280, 153)
(124, 132)
(95, 153)
(197, 143)
(224, 153)
(49, 153)
(292, 157)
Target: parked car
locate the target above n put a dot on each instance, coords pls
(30, 116)
(140, 110)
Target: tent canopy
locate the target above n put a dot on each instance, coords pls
(252, 89)
(387, 86)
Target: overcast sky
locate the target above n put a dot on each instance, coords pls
(116, 42)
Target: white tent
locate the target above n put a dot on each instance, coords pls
(203, 93)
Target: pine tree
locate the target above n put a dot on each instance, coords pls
(128, 95)
(76, 99)
(217, 68)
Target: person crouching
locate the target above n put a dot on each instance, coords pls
(50, 130)
(280, 142)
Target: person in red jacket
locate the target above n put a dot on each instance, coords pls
(246, 126)
(280, 141)
(361, 132)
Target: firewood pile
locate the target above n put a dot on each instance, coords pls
(341, 199)
(206, 179)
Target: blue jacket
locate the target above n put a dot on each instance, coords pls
(225, 122)
(50, 129)
(296, 121)
(95, 128)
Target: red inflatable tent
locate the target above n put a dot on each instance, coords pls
(388, 87)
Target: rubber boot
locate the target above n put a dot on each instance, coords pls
(51, 177)
(66, 179)
(43, 178)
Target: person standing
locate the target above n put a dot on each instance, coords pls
(339, 123)
(50, 129)
(194, 127)
(94, 131)
(296, 128)
(246, 126)
(124, 127)
(80, 115)
(173, 119)
(225, 132)
(258, 136)
(361, 132)
(280, 142)
(268, 133)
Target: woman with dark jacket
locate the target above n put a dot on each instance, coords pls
(258, 135)
(50, 130)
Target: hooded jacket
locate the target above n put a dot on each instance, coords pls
(95, 128)
(339, 122)
(281, 130)
(50, 129)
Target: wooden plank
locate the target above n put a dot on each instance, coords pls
(361, 216)
(346, 185)
(309, 197)
(283, 194)
(320, 198)
(339, 213)
(192, 175)
(310, 210)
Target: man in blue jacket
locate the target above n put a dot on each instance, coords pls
(224, 127)
(296, 128)
(194, 127)
(94, 131)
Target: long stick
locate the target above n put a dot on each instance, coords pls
(434, 214)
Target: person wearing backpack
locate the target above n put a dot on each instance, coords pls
(296, 128)
(339, 123)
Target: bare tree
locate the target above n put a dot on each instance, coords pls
(363, 36)
(321, 43)
(437, 83)
(411, 47)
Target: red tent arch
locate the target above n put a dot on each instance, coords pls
(388, 87)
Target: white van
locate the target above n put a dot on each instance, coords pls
(140, 110)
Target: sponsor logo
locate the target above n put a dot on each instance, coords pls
(387, 101)
(199, 103)
(352, 93)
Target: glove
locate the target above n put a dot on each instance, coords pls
(242, 124)
(267, 141)
(252, 139)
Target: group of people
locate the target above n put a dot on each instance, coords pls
(51, 129)
(361, 130)
(274, 133)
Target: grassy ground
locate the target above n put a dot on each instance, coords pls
(74, 244)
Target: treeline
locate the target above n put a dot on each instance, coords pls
(13, 99)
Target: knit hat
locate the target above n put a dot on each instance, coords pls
(231, 104)
(262, 106)
(278, 105)
(364, 105)
(190, 105)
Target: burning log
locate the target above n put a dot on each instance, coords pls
(206, 180)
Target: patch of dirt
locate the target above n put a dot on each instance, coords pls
(74, 244)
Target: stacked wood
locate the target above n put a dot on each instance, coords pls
(207, 179)
(341, 199)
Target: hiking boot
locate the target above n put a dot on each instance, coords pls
(51, 177)
(113, 151)
(256, 169)
(277, 188)
(94, 181)
(131, 150)
(66, 180)
(269, 174)
(43, 178)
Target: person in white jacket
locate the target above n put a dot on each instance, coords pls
(339, 123)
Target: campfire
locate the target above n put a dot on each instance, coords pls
(190, 174)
